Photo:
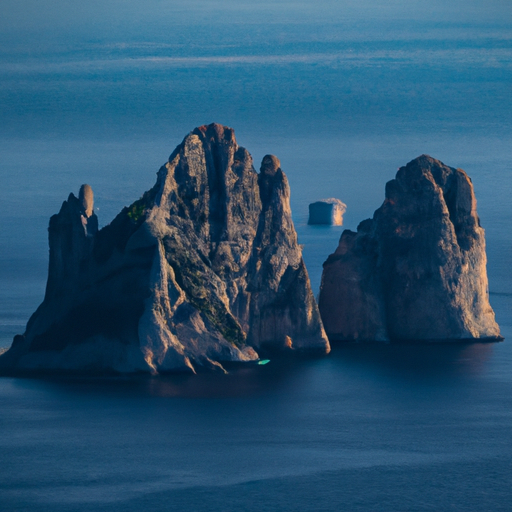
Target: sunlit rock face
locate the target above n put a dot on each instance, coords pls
(203, 268)
(417, 270)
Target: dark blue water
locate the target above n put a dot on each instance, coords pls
(343, 93)
(393, 428)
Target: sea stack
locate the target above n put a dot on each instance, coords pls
(327, 211)
(417, 270)
(204, 268)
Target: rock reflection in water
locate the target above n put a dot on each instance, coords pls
(419, 361)
(239, 382)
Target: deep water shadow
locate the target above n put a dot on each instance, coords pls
(419, 361)
(239, 382)
(411, 363)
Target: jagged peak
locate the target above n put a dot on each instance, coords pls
(270, 165)
(216, 133)
(86, 198)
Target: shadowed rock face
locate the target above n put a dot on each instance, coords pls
(203, 268)
(417, 270)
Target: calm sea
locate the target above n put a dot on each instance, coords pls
(343, 92)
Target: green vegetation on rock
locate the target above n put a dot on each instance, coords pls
(138, 208)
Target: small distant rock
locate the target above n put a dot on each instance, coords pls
(327, 211)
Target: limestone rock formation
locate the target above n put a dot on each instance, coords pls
(417, 270)
(203, 268)
(327, 211)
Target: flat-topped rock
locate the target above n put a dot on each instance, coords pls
(327, 211)
(417, 270)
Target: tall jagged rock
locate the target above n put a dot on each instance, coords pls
(417, 270)
(203, 268)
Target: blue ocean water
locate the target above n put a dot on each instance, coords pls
(343, 93)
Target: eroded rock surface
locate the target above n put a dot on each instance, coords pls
(417, 270)
(203, 268)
